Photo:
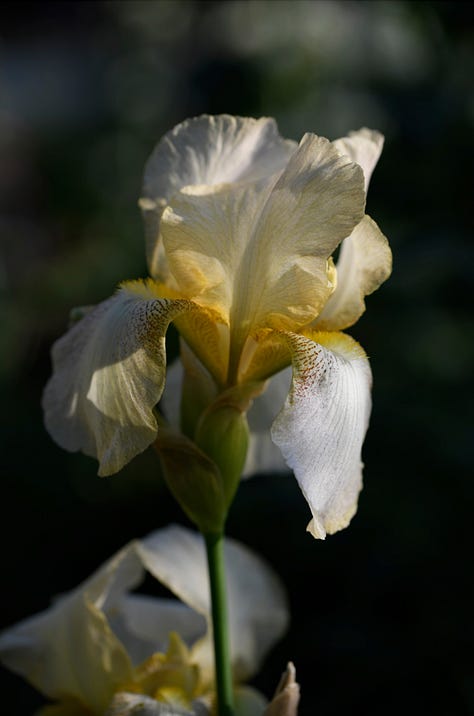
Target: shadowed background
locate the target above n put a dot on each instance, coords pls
(382, 612)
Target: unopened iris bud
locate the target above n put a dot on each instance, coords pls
(223, 434)
(194, 480)
(287, 696)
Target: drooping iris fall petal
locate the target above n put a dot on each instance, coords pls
(322, 425)
(108, 373)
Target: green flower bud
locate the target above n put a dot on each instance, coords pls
(194, 480)
(223, 434)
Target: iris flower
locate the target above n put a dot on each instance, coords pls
(242, 228)
(103, 650)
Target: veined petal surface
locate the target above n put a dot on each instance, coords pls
(322, 425)
(364, 147)
(206, 150)
(258, 253)
(108, 373)
(365, 262)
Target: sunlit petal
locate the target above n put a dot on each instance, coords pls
(257, 608)
(365, 262)
(363, 146)
(321, 428)
(205, 236)
(206, 150)
(108, 373)
(258, 254)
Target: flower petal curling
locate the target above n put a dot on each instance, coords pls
(364, 147)
(257, 605)
(205, 236)
(258, 254)
(70, 650)
(206, 150)
(322, 425)
(365, 262)
(108, 374)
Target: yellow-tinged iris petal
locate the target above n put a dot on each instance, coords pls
(257, 254)
(109, 373)
(82, 651)
(365, 262)
(241, 229)
(171, 677)
(206, 150)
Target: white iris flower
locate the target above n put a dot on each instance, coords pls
(241, 228)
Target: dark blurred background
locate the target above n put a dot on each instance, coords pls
(383, 611)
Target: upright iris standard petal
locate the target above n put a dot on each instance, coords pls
(258, 253)
(363, 147)
(322, 425)
(206, 150)
(365, 259)
(283, 279)
(365, 262)
(108, 374)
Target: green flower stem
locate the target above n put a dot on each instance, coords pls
(215, 560)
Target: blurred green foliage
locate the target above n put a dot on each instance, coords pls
(382, 612)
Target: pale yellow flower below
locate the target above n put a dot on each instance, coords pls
(101, 648)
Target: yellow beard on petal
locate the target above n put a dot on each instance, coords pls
(171, 678)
